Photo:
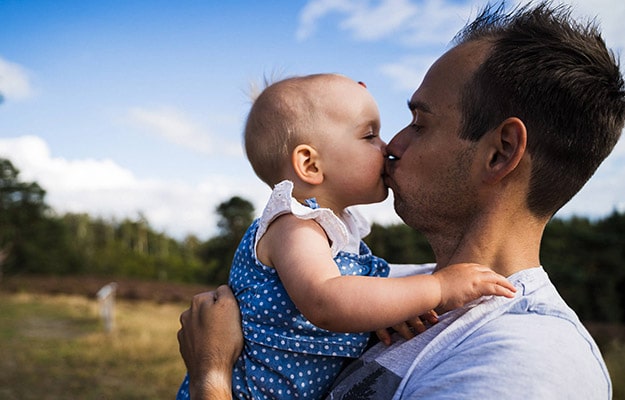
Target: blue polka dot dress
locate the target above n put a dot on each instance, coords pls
(285, 356)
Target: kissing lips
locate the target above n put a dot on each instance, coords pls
(389, 168)
(388, 181)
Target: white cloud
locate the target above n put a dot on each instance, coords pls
(176, 127)
(406, 74)
(33, 153)
(173, 126)
(101, 188)
(380, 21)
(430, 25)
(411, 23)
(314, 10)
(105, 189)
(14, 81)
(609, 14)
(426, 25)
(435, 23)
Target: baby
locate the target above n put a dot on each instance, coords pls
(308, 287)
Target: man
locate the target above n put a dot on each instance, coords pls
(506, 127)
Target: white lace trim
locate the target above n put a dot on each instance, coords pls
(344, 233)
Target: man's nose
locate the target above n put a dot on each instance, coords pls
(389, 153)
(396, 146)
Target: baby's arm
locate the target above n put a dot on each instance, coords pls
(299, 251)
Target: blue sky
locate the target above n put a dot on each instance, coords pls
(124, 107)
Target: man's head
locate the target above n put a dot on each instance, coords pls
(518, 115)
(558, 78)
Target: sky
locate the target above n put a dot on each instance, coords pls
(123, 108)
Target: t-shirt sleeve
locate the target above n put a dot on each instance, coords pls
(514, 357)
(399, 270)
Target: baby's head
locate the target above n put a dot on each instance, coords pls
(294, 111)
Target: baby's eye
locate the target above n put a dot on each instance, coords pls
(370, 135)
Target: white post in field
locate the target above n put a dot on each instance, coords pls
(106, 300)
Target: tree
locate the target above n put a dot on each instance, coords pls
(37, 241)
(235, 215)
(21, 205)
(585, 261)
(399, 244)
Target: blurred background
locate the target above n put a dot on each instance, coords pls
(148, 99)
(121, 160)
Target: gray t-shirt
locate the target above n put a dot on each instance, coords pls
(529, 347)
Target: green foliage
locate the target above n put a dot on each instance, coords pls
(585, 260)
(31, 240)
(584, 257)
(236, 215)
(37, 241)
(399, 244)
(133, 249)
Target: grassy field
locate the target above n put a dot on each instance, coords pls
(615, 359)
(54, 347)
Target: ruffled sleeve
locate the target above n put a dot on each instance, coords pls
(282, 202)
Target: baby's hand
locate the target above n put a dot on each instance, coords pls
(463, 283)
(408, 329)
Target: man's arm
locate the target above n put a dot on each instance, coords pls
(210, 342)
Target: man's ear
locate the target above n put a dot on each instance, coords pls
(507, 145)
(306, 164)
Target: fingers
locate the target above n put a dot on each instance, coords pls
(384, 335)
(501, 290)
(406, 331)
(500, 286)
(224, 292)
(191, 314)
(184, 316)
(410, 328)
(430, 317)
(507, 285)
(211, 330)
(463, 283)
(203, 303)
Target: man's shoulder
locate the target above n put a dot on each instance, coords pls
(525, 352)
(536, 328)
(525, 332)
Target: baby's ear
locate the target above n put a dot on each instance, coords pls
(506, 149)
(306, 164)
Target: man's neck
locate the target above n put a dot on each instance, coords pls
(506, 245)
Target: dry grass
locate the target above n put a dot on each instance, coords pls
(54, 347)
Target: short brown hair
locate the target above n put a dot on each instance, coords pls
(558, 77)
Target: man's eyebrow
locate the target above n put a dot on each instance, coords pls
(416, 105)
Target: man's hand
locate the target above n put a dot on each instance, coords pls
(210, 342)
